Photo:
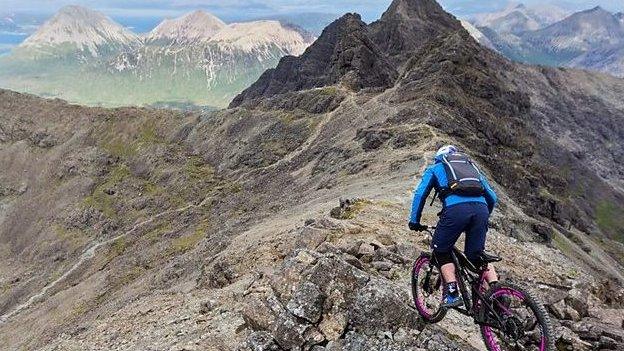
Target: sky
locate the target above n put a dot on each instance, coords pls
(143, 15)
(240, 9)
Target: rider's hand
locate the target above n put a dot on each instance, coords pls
(417, 227)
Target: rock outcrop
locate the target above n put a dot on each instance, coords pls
(408, 25)
(321, 302)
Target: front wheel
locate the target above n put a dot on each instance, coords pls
(427, 289)
(524, 323)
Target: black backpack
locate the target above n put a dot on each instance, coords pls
(464, 178)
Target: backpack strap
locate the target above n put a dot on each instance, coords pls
(449, 167)
(475, 167)
(435, 195)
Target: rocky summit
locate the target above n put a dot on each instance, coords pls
(143, 229)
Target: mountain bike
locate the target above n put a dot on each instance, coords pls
(509, 316)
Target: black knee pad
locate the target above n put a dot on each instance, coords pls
(477, 262)
(443, 258)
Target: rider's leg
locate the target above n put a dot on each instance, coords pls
(476, 235)
(451, 296)
(491, 276)
(448, 273)
(451, 225)
(444, 260)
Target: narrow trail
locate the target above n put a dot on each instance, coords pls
(305, 145)
(312, 138)
(90, 252)
(86, 256)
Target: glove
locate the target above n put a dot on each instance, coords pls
(417, 227)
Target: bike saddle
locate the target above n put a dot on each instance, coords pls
(489, 258)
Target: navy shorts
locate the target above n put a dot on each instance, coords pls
(469, 217)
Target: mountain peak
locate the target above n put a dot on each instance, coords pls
(581, 32)
(201, 17)
(598, 16)
(78, 11)
(83, 28)
(520, 18)
(356, 55)
(408, 24)
(192, 27)
(410, 9)
(595, 11)
(343, 53)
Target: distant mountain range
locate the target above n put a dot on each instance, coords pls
(196, 60)
(519, 18)
(591, 39)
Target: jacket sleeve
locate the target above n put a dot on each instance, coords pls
(420, 195)
(490, 195)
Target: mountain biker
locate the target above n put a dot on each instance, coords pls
(467, 205)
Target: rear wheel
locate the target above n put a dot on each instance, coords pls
(427, 289)
(524, 324)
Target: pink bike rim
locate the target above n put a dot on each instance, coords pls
(418, 300)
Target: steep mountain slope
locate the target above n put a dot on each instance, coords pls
(196, 59)
(161, 230)
(580, 32)
(210, 67)
(607, 59)
(262, 35)
(343, 50)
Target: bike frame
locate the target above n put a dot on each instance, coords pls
(474, 299)
(475, 303)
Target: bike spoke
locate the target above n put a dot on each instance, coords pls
(530, 324)
(520, 328)
(520, 347)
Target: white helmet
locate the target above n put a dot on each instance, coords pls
(445, 150)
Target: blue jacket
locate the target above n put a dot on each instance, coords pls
(435, 177)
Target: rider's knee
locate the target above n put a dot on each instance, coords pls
(443, 258)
